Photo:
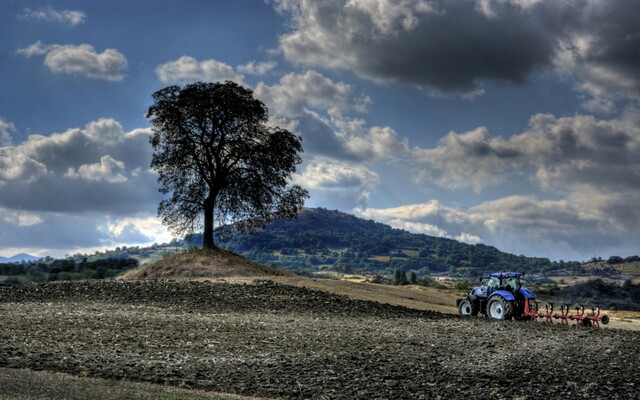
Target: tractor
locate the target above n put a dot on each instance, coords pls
(502, 296)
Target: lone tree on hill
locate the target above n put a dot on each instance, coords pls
(220, 162)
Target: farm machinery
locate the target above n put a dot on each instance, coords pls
(502, 296)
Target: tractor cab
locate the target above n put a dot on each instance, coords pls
(500, 295)
(509, 281)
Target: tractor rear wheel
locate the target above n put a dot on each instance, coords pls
(466, 308)
(499, 308)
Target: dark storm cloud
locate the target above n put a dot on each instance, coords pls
(451, 46)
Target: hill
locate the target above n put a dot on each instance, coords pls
(321, 239)
(19, 258)
(202, 264)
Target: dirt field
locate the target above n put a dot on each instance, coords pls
(275, 341)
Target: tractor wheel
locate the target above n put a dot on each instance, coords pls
(499, 308)
(466, 308)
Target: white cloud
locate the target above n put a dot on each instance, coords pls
(600, 105)
(566, 228)
(67, 17)
(186, 69)
(107, 170)
(418, 227)
(36, 49)
(17, 167)
(557, 153)
(473, 158)
(310, 90)
(320, 110)
(23, 219)
(348, 185)
(257, 68)
(150, 227)
(468, 238)
(6, 128)
(65, 172)
(79, 60)
(378, 143)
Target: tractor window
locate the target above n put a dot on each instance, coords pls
(493, 284)
(512, 284)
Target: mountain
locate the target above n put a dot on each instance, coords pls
(18, 258)
(320, 239)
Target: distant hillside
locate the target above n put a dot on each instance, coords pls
(321, 239)
(19, 258)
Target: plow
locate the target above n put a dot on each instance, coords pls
(502, 296)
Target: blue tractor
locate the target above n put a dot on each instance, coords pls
(500, 296)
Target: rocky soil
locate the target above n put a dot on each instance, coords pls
(277, 341)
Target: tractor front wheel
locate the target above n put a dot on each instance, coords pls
(466, 308)
(499, 308)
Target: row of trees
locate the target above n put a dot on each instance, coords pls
(65, 269)
(600, 292)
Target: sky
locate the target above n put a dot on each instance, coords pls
(513, 123)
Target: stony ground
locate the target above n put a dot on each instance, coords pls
(277, 341)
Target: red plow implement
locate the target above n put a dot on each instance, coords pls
(563, 314)
(502, 295)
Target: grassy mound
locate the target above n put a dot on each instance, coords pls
(216, 263)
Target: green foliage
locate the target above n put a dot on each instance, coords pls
(462, 285)
(342, 242)
(66, 270)
(600, 292)
(413, 278)
(400, 278)
(615, 260)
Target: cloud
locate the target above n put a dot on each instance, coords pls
(587, 168)
(47, 233)
(379, 143)
(36, 49)
(418, 42)
(6, 128)
(16, 167)
(79, 190)
(454, 46)
(23, 219)
(309, 90)
(320, 110)
(472, 158)
(257, 68)
(556, 153)
(187, 69)
(100, 168)
(107, 170)
(347, 185)
(67, 17)
(559, 229)
(79, 60)
(600, 50)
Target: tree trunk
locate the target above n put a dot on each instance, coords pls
(209, 205)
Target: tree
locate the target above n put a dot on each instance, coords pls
(219, 160)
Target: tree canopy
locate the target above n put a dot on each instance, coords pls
(219, 161)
